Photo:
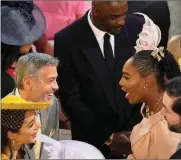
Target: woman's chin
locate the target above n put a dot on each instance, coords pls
(32, 140)
(132, 101)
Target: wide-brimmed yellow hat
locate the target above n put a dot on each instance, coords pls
(16, 102)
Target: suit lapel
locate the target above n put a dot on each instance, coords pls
(93, 54)
(44, 119)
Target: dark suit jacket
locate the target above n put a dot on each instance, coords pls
(176, 155)
(158, 11)
(90, 96)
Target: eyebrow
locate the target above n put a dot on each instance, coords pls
(31, 121)
(125, 73)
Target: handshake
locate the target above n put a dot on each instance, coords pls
(119, 144)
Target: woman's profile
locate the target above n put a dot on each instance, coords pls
(19, 126)
(143, 80)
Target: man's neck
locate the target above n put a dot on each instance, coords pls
(25, 95)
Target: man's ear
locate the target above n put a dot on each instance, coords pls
(27, 83)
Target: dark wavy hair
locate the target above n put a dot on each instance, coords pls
(9, 54)
(147, 64)
(5, 142)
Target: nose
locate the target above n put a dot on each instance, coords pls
(37, 125)
(121, 82)
(55, 86)
(121, 21)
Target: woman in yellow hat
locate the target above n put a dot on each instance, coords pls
(19, 126)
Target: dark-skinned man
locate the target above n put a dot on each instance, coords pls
(92, 52)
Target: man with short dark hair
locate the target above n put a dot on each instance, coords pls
(92, 52)
(172, 109)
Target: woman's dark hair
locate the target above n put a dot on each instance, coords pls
(147, 64)
(9, 54)
(5, 142)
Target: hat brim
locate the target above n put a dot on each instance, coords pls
(15, 102)
(10, 33)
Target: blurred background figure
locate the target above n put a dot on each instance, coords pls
(17, 39)
(59, 14)
(174, 46)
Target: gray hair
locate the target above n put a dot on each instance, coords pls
(30, 64)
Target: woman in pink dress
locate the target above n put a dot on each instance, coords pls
(60, 14)
(144, 75)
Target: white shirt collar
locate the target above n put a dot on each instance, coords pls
(99, 34)
(17, 92)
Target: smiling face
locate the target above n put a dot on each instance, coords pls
(132, 83)
(173, 119)
(45, 84)
(110, 16)
(28, 132)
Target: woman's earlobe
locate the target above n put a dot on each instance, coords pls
(11, 135)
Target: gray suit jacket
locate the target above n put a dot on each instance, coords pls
(49, 120)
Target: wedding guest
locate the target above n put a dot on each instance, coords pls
(172, 109)
(19, 125)
(174, 46)
(17, 36)
(144, 76)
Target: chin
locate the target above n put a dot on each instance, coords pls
(133, 101)
(32, 140)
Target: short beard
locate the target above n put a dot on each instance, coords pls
(175, 128)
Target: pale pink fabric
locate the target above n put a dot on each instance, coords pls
(150, 36)
(151, 139)
(60, 14)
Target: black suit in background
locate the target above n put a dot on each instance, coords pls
(90, 96)
(158, 11)
(176, 155)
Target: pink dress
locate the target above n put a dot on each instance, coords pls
(151, 139)
(60, 14)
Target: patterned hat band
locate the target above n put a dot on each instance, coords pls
(13, 118)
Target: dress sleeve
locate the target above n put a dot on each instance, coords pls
(165, 142)
(153, 141)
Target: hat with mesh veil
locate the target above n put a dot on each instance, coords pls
(22, 22)
(14, 108)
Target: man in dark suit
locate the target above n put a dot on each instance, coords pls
(158, 12)
(172, 109)
(92, 52)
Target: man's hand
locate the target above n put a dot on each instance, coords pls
(120, 144)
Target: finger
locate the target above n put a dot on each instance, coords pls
(126, 139)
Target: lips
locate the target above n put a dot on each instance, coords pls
(127, 93)
(34, 135)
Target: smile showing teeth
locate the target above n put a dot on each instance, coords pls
(51, 94)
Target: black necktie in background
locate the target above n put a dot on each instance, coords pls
(108, 53)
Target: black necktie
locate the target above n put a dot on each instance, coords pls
(108, 53)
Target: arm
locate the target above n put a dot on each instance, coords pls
(43, 46)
